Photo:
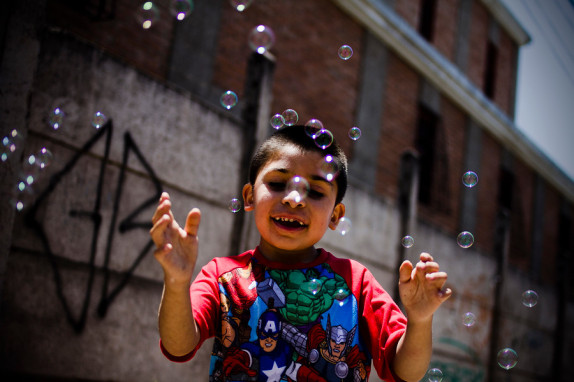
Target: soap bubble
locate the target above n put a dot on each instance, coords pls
(469, 179)
(341, 295)
(22, 195)
(507, 358)
(261, 39)
(99, 119)
(312, 286)
(44, 157)
(234, 205)
(354, 133)
(329, 168)
(56, 118)
(181, 8)
(228, 99)
(408, 241)
(434, 375)
(529, 298)
(344, 226)
(313, 126)
(299, 186)
(10, 143)
(323, 138)
(277, 121)
(468, 319)
(290, 116)
(465, 239)
(240, 5)
(345, 52)
(147, 14)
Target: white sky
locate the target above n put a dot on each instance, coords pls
(545, 92)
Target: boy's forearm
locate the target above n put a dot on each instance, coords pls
(177, 328)
(414, 351)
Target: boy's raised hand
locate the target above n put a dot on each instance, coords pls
(421, 288)
(176, 247)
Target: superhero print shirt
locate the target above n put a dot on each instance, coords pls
(328, 320)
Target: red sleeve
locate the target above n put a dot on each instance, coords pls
(382, 323)
(204, 294)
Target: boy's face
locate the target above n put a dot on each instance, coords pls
(290, 223)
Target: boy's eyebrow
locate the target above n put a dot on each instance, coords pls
(313, 177)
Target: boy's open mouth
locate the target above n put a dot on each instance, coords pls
(289, 223)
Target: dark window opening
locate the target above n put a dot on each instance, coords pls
(505, 190)
(426, 20)
(490, 70)
(425, 143)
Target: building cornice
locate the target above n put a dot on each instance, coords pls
(401, 38)
(507, 21)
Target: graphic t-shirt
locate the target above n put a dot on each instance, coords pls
(320, 321)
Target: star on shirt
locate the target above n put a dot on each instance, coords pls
(274, 374)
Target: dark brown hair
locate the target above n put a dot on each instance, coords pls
(296, 135)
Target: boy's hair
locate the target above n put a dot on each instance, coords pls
(296, 135)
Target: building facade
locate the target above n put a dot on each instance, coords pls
(430, 84)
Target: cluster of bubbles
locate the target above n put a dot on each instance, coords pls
(289, 117)
(148, 13)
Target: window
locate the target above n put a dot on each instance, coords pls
(505, 189)
(490, 69)
(426, 20)
(425, 143)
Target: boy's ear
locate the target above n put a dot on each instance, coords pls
(338, 213)
(248, 197)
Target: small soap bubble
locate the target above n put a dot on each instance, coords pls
(341, 294)
(354, 133)
(345, 52)
(324, 138)
(529, 298)
(407, 241)
(290, 116)
(298, 188)
(147, 14)
(56, 118)
(465, 239)
(99, 119)
(228, 99)
(313, 126)
(9, 144)
(44, 158)
(261, 39)
(329, 168)
(181, 8)
(434, 375)
(234, 205)
(507, 358)
(468, 319)
(240, 5)
(312, 286)
(277, 121)
(344, 226)
(469, 179)
(22, 195)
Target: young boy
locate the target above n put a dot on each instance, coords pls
(287, 310)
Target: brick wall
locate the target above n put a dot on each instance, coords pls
(120, 36)
(399, 124)
(505, 74)
(309, 75)
(410, 11)
(477, 42)
(547, 270)
(445, 30)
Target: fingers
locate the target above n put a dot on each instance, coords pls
(192, 221)
(405, 271)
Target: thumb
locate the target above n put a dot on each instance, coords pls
(405, 271)
(192, 221)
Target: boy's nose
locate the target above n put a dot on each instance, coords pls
(294, 199)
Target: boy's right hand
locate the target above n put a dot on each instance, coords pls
(176, 247)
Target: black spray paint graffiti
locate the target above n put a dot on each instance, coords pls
(108, 294)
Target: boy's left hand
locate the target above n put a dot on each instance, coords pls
(421, 288)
